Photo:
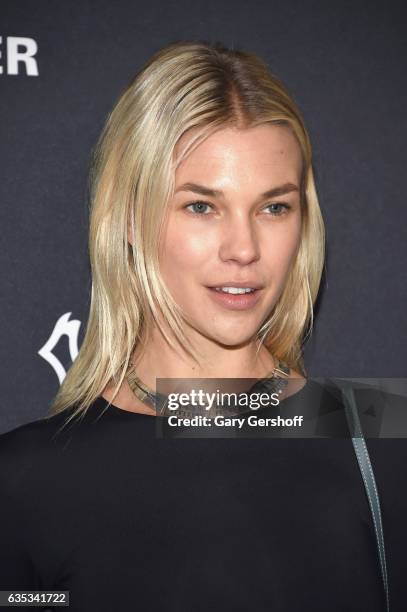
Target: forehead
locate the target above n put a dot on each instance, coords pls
(241, 156)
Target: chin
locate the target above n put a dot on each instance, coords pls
(232, 339)
(228, 335)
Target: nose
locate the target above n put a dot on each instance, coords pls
(239, 241)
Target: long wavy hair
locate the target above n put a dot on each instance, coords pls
(184, 85)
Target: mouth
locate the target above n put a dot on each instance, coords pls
(235, 298)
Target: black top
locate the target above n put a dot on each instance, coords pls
(125, 520)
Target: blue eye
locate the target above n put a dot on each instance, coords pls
(279, 212)
(198, 207)
(203, 208)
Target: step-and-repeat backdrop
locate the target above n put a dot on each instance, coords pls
(62, 66)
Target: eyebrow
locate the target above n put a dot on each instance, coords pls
(213, 193)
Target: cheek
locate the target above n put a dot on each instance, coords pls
(185, 250)
(282, 250)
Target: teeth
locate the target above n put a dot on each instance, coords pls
(234, 290)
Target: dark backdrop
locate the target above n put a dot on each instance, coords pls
(344, 62)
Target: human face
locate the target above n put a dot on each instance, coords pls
(223, 229)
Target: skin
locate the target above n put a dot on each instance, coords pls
(231, 236)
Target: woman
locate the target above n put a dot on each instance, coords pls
(207, 249)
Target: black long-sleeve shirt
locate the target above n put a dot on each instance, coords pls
(124, 520)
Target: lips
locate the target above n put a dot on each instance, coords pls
(239, 301)
(239, 284)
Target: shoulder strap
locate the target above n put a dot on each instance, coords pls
(366, 470)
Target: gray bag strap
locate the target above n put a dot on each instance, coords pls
(366, 470)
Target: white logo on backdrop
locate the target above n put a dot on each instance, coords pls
(20, 58)
(63, 327)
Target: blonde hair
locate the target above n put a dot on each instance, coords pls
(185, 85)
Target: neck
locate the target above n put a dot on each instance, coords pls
(159, 360)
